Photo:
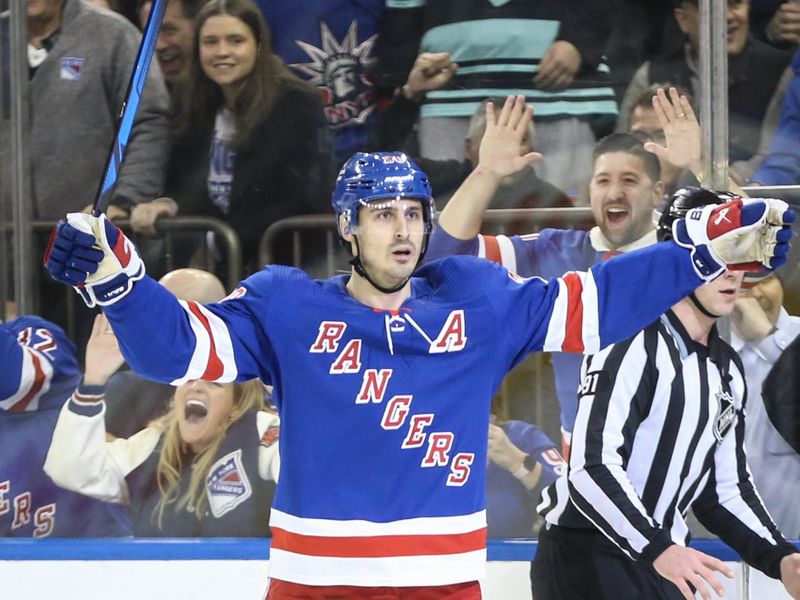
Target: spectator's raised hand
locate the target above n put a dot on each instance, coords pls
(103, 356)
(681, 131)
(558, 66)
(784, 27)
(499, 151)
(431, 71)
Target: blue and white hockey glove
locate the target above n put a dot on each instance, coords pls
(94, 256)
(745, 234)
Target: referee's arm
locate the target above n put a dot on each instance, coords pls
(730, 507)
(616, 392)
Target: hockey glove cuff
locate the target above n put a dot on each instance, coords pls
(742, 235)
(94, 256)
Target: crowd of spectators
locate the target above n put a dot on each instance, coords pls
(248, 112)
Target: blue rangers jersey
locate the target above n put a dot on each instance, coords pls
(385, 413)
(40, 370)
(546, 254)
(39, 373)
(332, 45)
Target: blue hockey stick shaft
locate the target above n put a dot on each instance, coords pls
(130, 105)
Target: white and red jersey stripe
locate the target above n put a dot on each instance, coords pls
(34, 382)
(500, 249)
(408, 552)
(574, 324)
(212, 358)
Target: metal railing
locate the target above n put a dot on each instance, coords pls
(296, 226)
(495, 222)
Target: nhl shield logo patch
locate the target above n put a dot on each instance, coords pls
(725, 413)
(227, 484)
(71, 68)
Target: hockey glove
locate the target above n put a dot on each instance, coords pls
(94, 256)
(745, 234)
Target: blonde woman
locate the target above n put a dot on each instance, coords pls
(206, 468)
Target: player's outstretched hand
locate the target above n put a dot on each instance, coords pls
(687, 566)
(93, 255)
(746, 234)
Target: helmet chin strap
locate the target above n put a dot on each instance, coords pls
(361, 270)
(702, 308)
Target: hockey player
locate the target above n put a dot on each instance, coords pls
(39, 372)
(660, 429)
(383, 382)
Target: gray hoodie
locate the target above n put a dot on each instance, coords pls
(76, 95)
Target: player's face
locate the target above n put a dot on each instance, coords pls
(390, 238)
(769, 295)
(174, 44)
(622, 197)
(719, 296)
(203, 410)
(228, 50)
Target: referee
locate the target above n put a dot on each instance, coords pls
(660, 429)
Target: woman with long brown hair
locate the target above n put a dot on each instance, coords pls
(250, 140)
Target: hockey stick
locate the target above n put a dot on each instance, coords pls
(129, 106)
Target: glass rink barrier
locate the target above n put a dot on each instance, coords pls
(210, 569)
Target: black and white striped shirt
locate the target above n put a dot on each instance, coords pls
(660, 429)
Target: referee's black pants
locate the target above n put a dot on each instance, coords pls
(576, 564)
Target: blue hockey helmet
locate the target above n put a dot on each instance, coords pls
(368, 177)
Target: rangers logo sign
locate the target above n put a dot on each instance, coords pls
(227, 484)
(725, 413)
(71, 68)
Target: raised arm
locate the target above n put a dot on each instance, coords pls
(80, 459)
(683, 145)
(498, 157)
(162, 338)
